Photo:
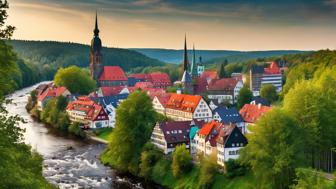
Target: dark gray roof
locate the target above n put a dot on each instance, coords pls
(229, 115)
(257, 69)
(260, 100)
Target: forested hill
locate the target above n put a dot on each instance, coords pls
(212, 56)
(62, 54)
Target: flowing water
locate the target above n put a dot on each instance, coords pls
(68, 162)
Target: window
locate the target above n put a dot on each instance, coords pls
(233, 144)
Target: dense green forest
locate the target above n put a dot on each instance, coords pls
(212, 56)
(20, 167)
(39, 60)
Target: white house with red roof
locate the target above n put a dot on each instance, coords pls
(160, 101)
(183, 107)
(49, 93)
(225, 90)
(224, 141)
(87, 112)
(251, 113)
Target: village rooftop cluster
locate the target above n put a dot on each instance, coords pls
(199, 116)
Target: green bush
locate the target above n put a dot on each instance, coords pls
(75, 129)
(181, 161)
(208, 170)
(234, 168)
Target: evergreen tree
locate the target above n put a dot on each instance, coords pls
(222, 73)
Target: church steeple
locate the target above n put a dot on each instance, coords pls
(96, 30)
(185, 57)
(96, 63)
(193, 69)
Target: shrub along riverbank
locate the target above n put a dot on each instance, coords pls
(54, 115)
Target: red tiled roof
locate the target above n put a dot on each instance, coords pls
(272, 69)
(209, 74)
(143, 85)
(223, 84)
(113, 73)
(140, 76)
(164, 99)
(160, 79)
(109, 91)
(204, 79)
(224, 133)
(251, 113)
(51, 92)
(183, 102)
(152, 92)
(85, 104)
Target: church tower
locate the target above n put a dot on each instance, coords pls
(186, 81)
(96, 64)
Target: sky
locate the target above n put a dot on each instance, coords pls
(209, 24)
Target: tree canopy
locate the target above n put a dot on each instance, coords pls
(135, 120)
(181, 160)
(75, 79)
(269, 92)
(244, 97)
(274, 149)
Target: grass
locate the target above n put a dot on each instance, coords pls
(103, 133)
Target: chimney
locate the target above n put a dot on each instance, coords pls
(259, 106)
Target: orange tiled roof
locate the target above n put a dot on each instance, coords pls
(251, 113)
(183, 102)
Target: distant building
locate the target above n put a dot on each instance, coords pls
(229, 116)
(182, 107)
(48, 93)
(158, 79)
(252, 113)
(259, 100)
(204, 80)
(261, 76)
(225, 141)
(167, 135)
(200, 67)
(159, 103)
(110, 105)
(111, 91)
(225, 90)
(88, 113)
(105, 76)
(230, 141)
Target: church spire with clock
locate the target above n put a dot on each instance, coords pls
(96, 62)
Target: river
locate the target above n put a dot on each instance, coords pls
(68, 162)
